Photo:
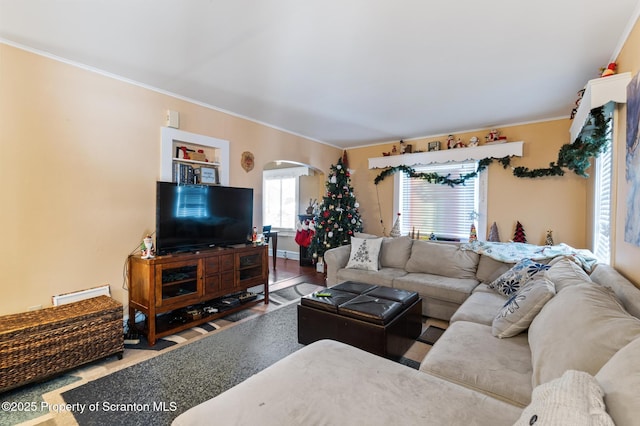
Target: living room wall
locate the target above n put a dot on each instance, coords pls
(625, 255)
(556, 203)
(80, 157)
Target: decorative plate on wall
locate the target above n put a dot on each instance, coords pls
(247, 161)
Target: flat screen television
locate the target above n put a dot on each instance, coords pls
(193, 217)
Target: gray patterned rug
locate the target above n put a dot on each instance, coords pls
(33, 393)
(159, 389)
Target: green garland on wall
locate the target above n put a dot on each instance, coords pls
(575, 157)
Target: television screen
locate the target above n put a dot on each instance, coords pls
(191, 217)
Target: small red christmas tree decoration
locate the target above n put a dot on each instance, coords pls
(519, 236)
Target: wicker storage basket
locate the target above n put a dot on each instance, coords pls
(38, 344)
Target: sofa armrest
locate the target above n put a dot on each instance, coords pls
(334, 259)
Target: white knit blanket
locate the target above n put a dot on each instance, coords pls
(575, 399)
(514, 252)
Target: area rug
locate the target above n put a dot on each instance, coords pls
(276, 298)
(431, 335)
(26, 402)
(293, 292)
(159, 389)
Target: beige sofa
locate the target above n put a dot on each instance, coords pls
(571, 358)
(442, 273)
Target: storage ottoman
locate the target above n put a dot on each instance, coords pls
(38, 344)
(380, 320)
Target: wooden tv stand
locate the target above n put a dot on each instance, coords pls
(161, 286)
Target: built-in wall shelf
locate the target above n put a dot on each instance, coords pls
(494, 150)
(598, 92)
(217, 149)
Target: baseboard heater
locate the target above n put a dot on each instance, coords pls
(63, 299)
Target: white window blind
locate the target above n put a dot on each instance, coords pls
(435, 208)
(602, 204)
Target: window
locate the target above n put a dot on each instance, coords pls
(280, 197)
(602, 202)
(445, 211)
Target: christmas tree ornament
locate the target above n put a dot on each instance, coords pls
(519, 235)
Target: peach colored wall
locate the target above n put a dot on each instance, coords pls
(556, 203)
(625, 255)
(78, 164)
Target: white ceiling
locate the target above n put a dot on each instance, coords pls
(344, 72)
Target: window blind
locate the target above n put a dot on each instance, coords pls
(435, 208)
(602, 205)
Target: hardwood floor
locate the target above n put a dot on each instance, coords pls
(289, 272)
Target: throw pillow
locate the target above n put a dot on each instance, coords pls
(573, 399)
(522, 307)
(516, 277)
(581, 328)
(365, 253)
(620, 382)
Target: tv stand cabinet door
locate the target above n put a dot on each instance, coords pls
(178, 283)
(218, 275)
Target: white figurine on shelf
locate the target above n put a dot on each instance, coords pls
(474, 141)
(147, 247)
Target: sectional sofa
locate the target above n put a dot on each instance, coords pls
(529, 342)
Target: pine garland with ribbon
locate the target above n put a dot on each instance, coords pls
(575, 157)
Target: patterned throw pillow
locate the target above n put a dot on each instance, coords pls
(522, 307)
(365, 253)
(516, 277)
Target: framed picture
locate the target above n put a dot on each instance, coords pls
(209, 175)
(632, 160)
(433, 146)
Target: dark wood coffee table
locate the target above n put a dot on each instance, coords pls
(375, 324)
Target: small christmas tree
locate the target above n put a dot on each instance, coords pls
(519, 236)
(549, 240)
(338, 217)
(494, 235)
(395, 231)
(473, 235)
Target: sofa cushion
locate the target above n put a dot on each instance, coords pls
(489, 269)
(522, 307)
(469, 355)
(564, 272)
(331, 383)
(480, 307)
(443, 259)
(365, 254)
(383, 276)
(516, 277)
(579, 329)
(621, 395)
(455, 290)
(395, 252)
(573, 399)
(625, 291)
